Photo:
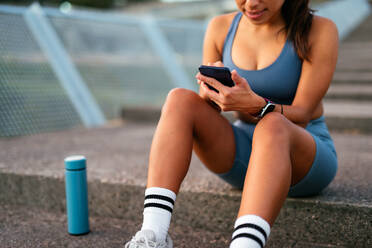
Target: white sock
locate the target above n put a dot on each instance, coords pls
(158, 211)
(250, 231)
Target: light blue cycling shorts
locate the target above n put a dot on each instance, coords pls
(321, 173)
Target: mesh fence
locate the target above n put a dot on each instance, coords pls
(31, 98)
(116, 61)
(187, 42)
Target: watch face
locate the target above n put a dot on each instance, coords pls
(270, 108)
(267, 109)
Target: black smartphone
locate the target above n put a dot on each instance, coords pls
(221, 74)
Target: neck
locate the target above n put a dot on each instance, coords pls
(274, 24)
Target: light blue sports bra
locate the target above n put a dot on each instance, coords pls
(277, 82)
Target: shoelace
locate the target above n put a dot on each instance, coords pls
(142, 240)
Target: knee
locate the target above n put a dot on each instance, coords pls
(180, 100)
(274, 127)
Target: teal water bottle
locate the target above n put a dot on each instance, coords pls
(76, 195)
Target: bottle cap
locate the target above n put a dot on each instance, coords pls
(77, 162)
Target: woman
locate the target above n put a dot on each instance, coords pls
(282, 60)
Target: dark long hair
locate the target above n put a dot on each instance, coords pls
(298, 18)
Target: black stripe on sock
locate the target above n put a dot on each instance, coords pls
(158, 205)
(250, 225)
(160, 197)
(250, 236)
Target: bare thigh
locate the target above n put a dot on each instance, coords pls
(303, 152)
(214, 141)
(275, 129)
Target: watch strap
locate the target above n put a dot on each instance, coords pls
(269, 107)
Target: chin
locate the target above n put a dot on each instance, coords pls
(256, 22)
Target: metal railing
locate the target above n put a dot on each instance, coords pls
(63, 69)
(59, 70)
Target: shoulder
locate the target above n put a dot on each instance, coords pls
(323, 30)
(218, 28)
(222, 21)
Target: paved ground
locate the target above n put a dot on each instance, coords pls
(117, 168)
(119, 155)
(23, 227)
(18, 226)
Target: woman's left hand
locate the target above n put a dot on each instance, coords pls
(240, 97)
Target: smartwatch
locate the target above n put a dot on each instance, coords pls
(269, 107)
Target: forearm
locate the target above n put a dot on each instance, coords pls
(250, 116)
(296, 114)
(246, 117)
(250, 105)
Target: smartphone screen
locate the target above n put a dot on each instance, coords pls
(221, 74)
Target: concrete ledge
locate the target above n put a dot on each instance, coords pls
(22, 226)
(351, 82)
(352, 91)
(141, 114)
(352, 76)
(304, 220)
(117, 171)
(350, 125)
(337, 118)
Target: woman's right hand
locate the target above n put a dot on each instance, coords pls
(202, 94)
(202, 90)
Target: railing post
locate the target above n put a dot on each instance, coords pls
(166, 53)
(68, 75)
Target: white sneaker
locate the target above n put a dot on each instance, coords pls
(147, 239)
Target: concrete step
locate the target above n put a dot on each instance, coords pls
(349, 115)
(352, 76)
(355, 92)
(363, 32)
(22, 226)
(356, 56)
(341, 115)
(32, 171)
(348, 109)
(350, 91)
